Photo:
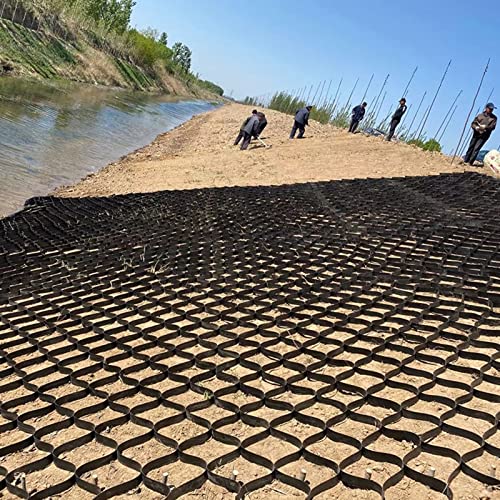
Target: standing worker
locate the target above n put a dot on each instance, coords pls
(243, 125)
(251, 129)
(301, 120)
(483, 125)
(396, 118)
(358, 113)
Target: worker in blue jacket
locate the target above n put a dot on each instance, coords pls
(301, 121)
(358, 113)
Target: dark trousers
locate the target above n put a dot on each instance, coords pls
(246, 140)
(392, 130)
(238, 139)
(354, 125)
(297, 126)
(476, 143)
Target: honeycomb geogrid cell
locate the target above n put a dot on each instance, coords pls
(267, 342)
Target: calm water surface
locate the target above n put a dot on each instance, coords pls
(56, 134)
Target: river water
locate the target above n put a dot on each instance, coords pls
(52, 135)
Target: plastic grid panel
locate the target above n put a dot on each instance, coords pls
(336, 328)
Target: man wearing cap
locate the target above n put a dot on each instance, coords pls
(482, 126)
(396, 118)
(301, 120)
(358, 113)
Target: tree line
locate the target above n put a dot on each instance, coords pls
(106, 24)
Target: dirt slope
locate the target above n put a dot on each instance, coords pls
(200, 154)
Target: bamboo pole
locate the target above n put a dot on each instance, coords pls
(448, 113)
(446, 126)
(309, 94)
(334, 102)
(327, 94)
(372, 114)
(315, 94)
(416, 114)
(320, 94)
(367, 88)
(433, 100)
(471, 109)
(348, 103)
(405, 93)
(421, 122)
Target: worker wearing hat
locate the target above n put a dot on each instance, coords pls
(396, 118)
(300, 122)
(482, 126)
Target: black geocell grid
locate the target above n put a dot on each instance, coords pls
(198, 329)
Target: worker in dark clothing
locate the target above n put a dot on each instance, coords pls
(396, 118)
(240, 135)
(301, 121)
(251, 129)
(358, 113)
(263, 123)
(483, 125)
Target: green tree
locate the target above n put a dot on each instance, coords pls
(182, 56)
(432, 145)
(163, 39)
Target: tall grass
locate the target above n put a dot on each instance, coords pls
(104, 25)
(330, 111)
(287, 103)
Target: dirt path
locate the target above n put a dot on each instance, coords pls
(200, 154)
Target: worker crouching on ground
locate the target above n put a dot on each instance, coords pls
(243, 125)
(483, 125)
(251, 129)
(262, 122)
(396, 118)
(301, 121)
(358, 113)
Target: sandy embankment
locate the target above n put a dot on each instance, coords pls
(200, 153)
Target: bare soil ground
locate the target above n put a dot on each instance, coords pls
(200, 153)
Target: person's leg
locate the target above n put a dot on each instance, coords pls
(355, 126)
(302, 129)
(351, 126)
(392, 131)
(294, 130)
(480, 142)
(238, 139)
(246, 140)
(472, 146)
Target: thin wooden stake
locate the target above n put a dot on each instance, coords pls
(434, 100)
(367, 89)
(447, 114)
(405, 93)
(416, 114)
(446, 126)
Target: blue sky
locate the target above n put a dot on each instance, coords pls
(256, 47)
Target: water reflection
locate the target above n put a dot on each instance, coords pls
(52, 135)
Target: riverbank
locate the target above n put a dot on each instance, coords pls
(200, 153)
(56, 133)
(30, 53)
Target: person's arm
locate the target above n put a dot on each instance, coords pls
(493, 125)
(306, 118)
(476, 125)
(256, 127)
